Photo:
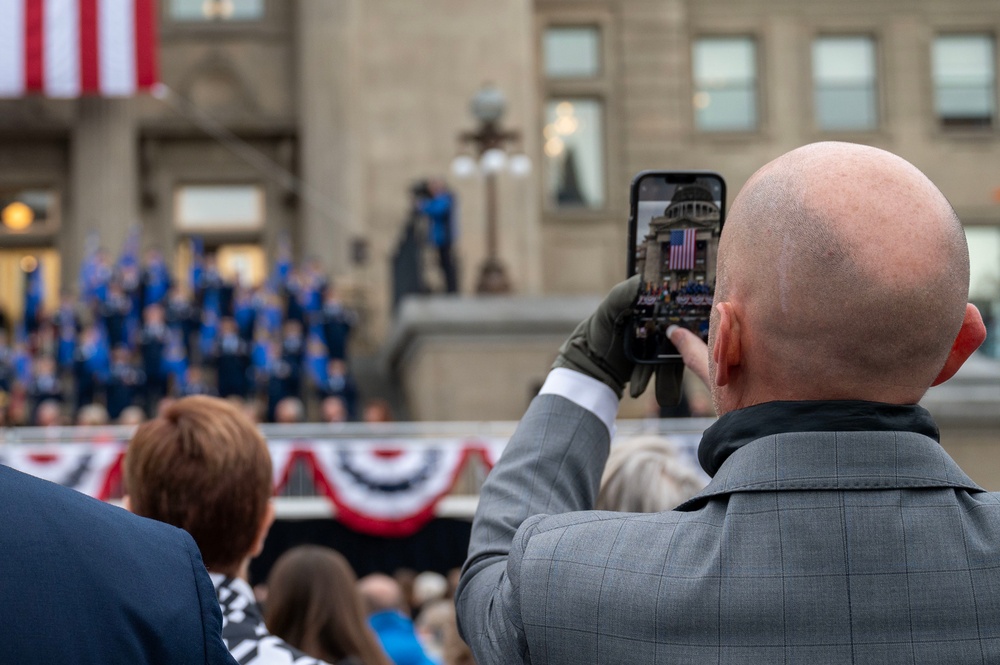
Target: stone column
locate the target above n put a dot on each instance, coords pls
(104, 197)
(331, 207)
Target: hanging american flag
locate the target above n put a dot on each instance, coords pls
(682, 246)
(68, 48)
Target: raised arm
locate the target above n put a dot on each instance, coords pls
(552, 465)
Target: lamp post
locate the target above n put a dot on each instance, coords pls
(488, 142)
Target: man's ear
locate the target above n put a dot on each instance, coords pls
(970, 336)
(726, 352)
(265, 526)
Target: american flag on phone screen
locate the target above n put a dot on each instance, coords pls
(682, 245)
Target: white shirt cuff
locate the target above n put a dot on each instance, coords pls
(584, 391)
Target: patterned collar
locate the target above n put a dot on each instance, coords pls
(243, 628)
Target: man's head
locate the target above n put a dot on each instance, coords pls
(334, 410)
(131, 415)
(378, 411)
(381, 593)
(92, 415)
(49, 414)
(153, 314)
(120, 354)
(435, 187)
(227, 326)
(203, 466)
(843, 274)
(289, 410)
(292, 328)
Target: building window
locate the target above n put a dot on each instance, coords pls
(964, 69)
(214, 208)
(572, 52)
(216, 10)
(576, 85)
(725, 82)
(984, 281)
(574, 152)
(844, 80)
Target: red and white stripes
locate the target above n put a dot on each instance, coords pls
(68, 48)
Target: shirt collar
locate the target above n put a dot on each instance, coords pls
(738, 428)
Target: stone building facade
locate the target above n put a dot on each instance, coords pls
(359, 99)
(314, 117)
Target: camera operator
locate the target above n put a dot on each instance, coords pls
(434, 200)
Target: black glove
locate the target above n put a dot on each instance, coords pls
(596, 348)
(669, 380)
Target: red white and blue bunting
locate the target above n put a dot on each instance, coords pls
(389, 489)
(385, 488)
(91, 468)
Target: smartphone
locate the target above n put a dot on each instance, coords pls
(675, 221)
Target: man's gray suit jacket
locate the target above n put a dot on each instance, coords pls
(825, 547)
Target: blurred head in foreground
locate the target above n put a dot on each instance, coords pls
(646, 475)
(201, 465)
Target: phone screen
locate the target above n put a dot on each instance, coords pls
(676, 221)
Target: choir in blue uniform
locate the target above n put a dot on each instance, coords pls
(136, 335)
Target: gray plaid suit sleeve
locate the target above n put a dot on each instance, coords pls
(818, 547)
(552, 465)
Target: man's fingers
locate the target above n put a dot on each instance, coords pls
(693, 350)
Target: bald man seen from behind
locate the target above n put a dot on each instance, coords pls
(835, 529)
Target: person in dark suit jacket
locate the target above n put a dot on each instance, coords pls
(114, 312)
(152, 342)
(293, 352)
(232, 360)
(336, 322)
(244, 313)
(338, 382)
(86, 582)
(44, 385)
(274, 378)
(125, 380)
(182, 318)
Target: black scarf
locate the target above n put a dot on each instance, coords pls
(738, 428)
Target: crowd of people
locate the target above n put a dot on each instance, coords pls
(315, 603)
(132, 335)
(203, 466)
(835, 527)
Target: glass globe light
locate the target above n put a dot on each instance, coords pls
(520, 165)
(489, 104)
(493, 160)
(463, 167)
